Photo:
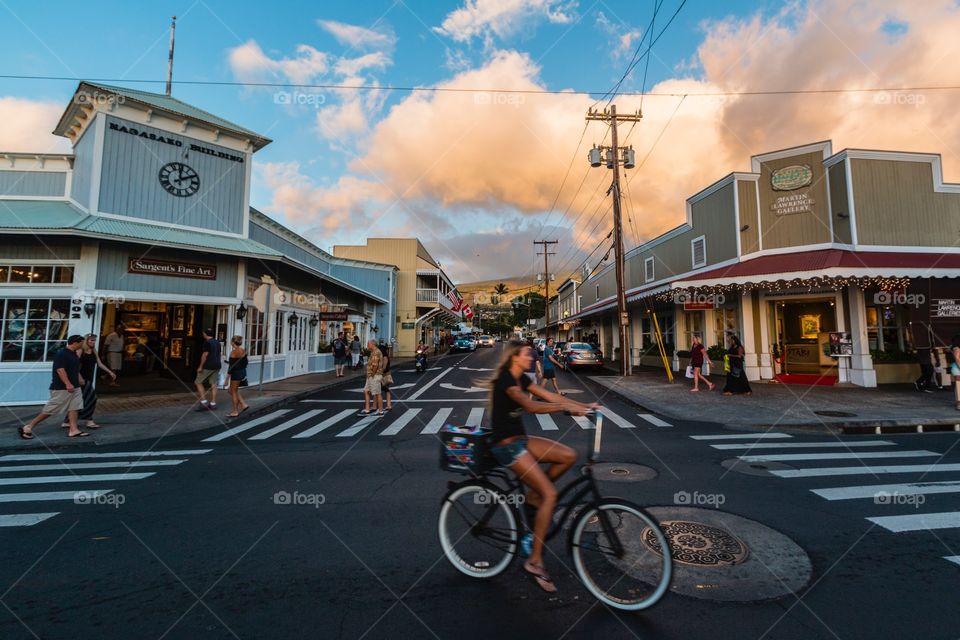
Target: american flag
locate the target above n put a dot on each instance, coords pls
(455, 298)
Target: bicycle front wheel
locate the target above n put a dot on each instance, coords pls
(478, 530)
(621, 555)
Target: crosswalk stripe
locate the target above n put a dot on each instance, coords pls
(836, 456)
(873, 490)
(852, 471)
(283, 426)
(400, 422)
(20, 457)
(803, 445)
(919, 521)
(314, 430)
(100, 477)
(654, 420)
(546, 422)
(24, 519)
(617, 420)
(743, 436)
(90, 465)
(475, 417)
(438, 420)
(584, 422)
(247, 425)
(953, 559)
(45, 496)
(361, 424)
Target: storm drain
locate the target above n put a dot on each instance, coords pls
(696, 543)
(622, 472)
(835, 414)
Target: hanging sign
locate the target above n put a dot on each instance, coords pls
(793, 177)
(945, 308)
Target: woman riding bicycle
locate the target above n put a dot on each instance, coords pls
(522, 454)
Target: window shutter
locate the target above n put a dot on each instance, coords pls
(699, 249)
(648, 270)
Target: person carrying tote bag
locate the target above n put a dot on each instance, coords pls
(698, 355)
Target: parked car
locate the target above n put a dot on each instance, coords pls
(485, 341)
(581, 354)
(463, 343)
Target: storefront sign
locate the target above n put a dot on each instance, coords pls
(698, 306)
(408, 325)
(793, 203)
(174, 269)
(945, 308)
(793, 177)
(153, 137)
(333, 315)
(841, 344)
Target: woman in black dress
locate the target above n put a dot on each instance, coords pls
(89, 364)
(737, 377)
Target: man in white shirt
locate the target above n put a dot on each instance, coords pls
(113, 344)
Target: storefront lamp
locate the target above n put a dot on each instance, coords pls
(89, 308)
(241, 311)
(314, 320)
(293, 319)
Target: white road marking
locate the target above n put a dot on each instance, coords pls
(453, 387)
(438, 420)
(314, 430)
(90, 465)
(584, 422)
(853, 471)
(414, 370)
(472, 369)
(654, 420)
(101, 477)
(45, 496)
(919, 521)
(617, 420)
(400, 422)
(838, 456)
(428, 385)
(115, 454)
(393, 387)
(25, 519)
(405, 400)
(743, 436)
(475, 417)
(803, 445)
(953, 559)
(283, 426)
(248, 425)
(872, 490)
(360, 425)
(546, 422)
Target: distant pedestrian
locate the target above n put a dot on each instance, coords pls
(372, 388)
(237, 370)
(436, 344)
(113, 344)
(89, 364)
(65, 394)
(550, 365)
(955, 369)
(737, 377)
(339, 354)
(698, 355)
(355, 351)
(387, 381)
(208, 371)
(925, 360)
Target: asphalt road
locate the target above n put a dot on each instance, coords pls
(207, 548)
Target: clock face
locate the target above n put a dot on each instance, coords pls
(179, 180)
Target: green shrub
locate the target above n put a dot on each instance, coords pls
(716, 352)
(894, 355)
(325, 348)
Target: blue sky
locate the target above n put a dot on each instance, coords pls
(335, 170)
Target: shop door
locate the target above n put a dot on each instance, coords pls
(297, 352)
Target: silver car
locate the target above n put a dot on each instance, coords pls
(485, 341)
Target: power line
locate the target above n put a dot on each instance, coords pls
(412, 89)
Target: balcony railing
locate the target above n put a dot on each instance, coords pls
(431, 296)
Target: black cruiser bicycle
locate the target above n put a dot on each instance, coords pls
(617, 548)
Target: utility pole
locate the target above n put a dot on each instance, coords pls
(546, 281)
(613, 161)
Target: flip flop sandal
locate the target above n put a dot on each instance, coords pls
(82, 434)
(93, 426)
(540, 577)
(24, 434)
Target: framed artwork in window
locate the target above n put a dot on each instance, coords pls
(178, 318)
(176, 348)
(810, 326)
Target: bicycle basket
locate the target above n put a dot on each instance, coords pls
(465, 450)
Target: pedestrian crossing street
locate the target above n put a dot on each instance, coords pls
(821, 461)
(347, 423)
(80, 478)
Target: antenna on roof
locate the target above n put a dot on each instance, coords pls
(173, 30)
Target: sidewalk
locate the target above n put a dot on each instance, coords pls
(780, 405)
(129, 418)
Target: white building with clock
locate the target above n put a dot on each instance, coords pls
(147, 226)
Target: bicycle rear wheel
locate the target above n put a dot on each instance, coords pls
(611, 554)
(478, 529)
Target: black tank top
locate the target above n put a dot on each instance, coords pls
(88, 365)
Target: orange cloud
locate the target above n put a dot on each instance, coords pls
(25, 125)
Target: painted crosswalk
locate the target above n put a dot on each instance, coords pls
(813, 460)
(76, 479)
(654, 420)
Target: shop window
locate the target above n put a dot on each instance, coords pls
(35, 274)
(254, 332)
(63, 275)
(886, 329)
(278, 333)
(33, 329)
(725, 322)
(20, 273)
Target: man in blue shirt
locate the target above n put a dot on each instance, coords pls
(65, 393)
(550, 363)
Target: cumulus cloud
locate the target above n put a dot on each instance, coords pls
(623, 38)
(502, 18)
(250, 64)
(353, 66)
(25, 125)
(358, 37)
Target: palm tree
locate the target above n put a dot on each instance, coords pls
(500, 290)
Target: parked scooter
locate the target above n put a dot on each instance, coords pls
(420, 362)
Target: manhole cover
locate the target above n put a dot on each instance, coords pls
(698, 544)
(759, 468)
(622, 472)
(836, 414)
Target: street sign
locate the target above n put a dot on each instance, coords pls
(260, 296)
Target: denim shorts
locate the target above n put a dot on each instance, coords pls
(506, 455)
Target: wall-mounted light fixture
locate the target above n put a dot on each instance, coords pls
(241, 311)
(293, 319)
(314, 320)
(89, 308)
